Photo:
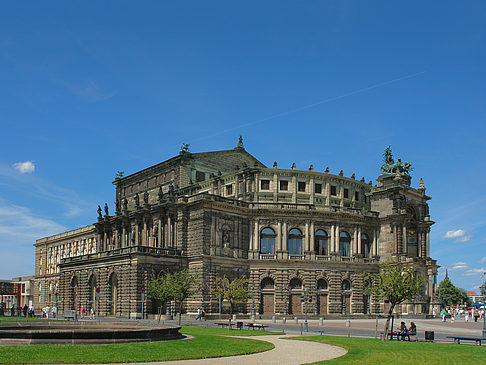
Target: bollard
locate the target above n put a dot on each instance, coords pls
(234, 317)
(274, 320)
(296, 320)
(321, 321)
(284, 320)
(253, 318)
(348, 323)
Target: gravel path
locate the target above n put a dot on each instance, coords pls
(285, 352)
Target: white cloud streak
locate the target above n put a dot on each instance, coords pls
(26, 167)
(459, 235)
(483, 260)
(474, 272)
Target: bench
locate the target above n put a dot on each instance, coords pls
(225, 324)
(68, 314)
(457, 339)
(399, 336)
(260, 326)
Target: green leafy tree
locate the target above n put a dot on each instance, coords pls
(158, 289)
(176, 286)
(396, 284)
(450, 295)
(233, 291)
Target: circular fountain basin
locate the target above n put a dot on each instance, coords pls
(32, 333)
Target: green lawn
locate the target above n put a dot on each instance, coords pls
(22, 319)
(371, 351)
(207, 342)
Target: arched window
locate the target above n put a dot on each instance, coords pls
(267, 283)
(346, 285)
(321, 284)
(295, 284)
(344, 240)
(365, 245)
(267, 241)
(320, 242)
(92, 291)
(113, 283)
(295, 242)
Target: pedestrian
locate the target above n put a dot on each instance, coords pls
(466, 316)
(25, 309)
(199, 314)
(92, 313)
(48, 309)
(433, 312)
(203, 314)
(476, 316)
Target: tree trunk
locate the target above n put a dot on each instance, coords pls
(160, 312)
(385, 332)
(180, 313)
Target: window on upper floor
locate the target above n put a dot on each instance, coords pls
(265, 184)
(284, 185)
(200, 176)
(320, 242)
(365, 245)
(295, 241)
(267, 241)
(301, 186)
(356, 196)
(229, 189)
(333, 190)
(318, 188)
(344, 241)
(346, 193)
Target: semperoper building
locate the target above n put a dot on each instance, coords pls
(225, 212)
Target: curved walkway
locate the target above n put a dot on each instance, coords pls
(285, 352)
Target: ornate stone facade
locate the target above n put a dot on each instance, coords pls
(224, 212)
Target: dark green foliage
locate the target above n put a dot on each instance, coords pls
(450, 295)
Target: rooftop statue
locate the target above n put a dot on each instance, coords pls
(390, 166)
(240, 142)
(185, 148)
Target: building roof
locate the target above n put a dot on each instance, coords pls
(471, 293)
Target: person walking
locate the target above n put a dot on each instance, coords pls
(199, 314)
(92, 313)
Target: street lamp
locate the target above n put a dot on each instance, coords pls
(306, 327)
(253, 301)
(76, 302)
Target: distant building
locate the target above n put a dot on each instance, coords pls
(225, 212)
(475, 298)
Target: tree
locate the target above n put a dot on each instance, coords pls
(233, 291)
(450, 295)
(176, 286)
(395, 283)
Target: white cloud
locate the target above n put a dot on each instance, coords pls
(26, 167)
(459, 266)
(458, 235)
(474, 272)
(483, 260)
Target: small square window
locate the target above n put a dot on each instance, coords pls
(356, 196)
(346, 193)
(301, 186)
(333, 190)
(284, 185)
(265, 184)
(229, 189)
(200, 176)
(318, 188)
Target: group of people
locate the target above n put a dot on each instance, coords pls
(24, 311)
(83, 312)
(454, 313)
(201, 314)
(403, 331)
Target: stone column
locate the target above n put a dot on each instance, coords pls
(312, 238)
(354, 250)
(375, 242)
(169, 231)
(144, 234)
(294, 190)
(252, 238)
(159, 232)
(256, 188)
(427, 241)
(359, 241)
(404, 240)
(256, 234)
(275, 187)
(279, 242)
(307, 238)
(284, 237)
(332, 248)
(312, 190)
(336, 239)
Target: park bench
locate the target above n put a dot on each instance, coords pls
(398, 336)
(225, 324)
(68, 314)
(260, 326)
(478, 339)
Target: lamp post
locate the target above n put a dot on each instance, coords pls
(253, 301)
(285, 295)
(306, 326)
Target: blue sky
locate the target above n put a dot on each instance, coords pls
(90, 88)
